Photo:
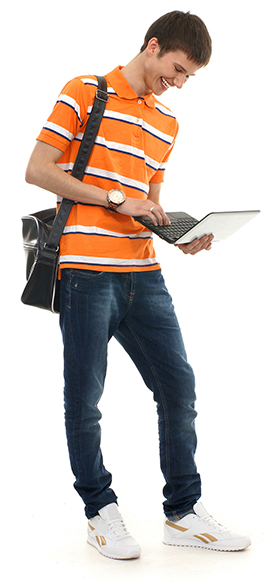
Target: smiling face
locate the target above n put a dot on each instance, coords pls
(169, 70)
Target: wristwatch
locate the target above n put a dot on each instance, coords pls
(115, 198)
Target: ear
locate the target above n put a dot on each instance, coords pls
(153, 47)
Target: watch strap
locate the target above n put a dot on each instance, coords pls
(112, 206)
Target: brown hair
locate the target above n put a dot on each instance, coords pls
(180, 31)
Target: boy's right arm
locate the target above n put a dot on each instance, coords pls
(43, 171)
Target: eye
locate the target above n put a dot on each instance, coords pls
(179, 70)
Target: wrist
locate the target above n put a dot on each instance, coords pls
(115, 198)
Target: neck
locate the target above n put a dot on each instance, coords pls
(134, 73)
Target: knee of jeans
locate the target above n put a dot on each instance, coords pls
(190, 395)
(191, 381)
(184, 393)
(82, 392)
(177, 392)
(84, 412)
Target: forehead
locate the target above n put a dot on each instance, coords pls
(180, 59)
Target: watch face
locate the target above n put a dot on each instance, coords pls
(116, 196)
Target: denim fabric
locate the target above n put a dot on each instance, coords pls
(137, 310)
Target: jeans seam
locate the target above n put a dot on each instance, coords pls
(69, 289)
(75, 458)
(167, 425)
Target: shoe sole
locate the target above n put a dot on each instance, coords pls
(210, 547)
(111, 556)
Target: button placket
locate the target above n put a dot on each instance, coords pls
(139, 119)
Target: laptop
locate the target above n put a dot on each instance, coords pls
(184, 228)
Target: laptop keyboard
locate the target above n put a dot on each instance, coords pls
(173, 232)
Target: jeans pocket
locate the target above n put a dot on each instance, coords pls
(83, 283)
(87, 273)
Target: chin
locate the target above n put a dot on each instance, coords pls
(159, 91)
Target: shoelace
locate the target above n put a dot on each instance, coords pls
(118, 528)
(213, 523)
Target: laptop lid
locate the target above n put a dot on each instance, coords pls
(221, 224)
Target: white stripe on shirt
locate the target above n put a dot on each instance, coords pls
(123, 180)
(93, 230)
(101, 173)
(90, 260)
(71, 102)
(58, 130)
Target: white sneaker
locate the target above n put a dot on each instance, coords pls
(199, 529)
(108, 534)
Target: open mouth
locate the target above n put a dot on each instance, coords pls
(165, 83)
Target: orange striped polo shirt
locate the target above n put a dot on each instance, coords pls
(133, 144)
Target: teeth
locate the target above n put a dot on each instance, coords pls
(165, 83)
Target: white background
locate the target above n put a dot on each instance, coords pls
(227, 300)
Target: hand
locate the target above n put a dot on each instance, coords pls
(197, 245)
(138, 207)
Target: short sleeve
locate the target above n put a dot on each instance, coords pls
(68, 116)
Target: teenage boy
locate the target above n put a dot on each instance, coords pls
(111, 282)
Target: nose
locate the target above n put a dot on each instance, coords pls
(181, 80)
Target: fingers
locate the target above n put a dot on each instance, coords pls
(158, 216)
(137, 208)
(205, 243)
(154, 212)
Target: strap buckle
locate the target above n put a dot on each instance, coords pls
(53, 249)
(102, 95)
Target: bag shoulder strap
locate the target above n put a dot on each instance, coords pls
(79, 167)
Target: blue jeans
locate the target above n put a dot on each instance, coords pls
(137, 310)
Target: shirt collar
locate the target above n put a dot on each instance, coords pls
(124, 90)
